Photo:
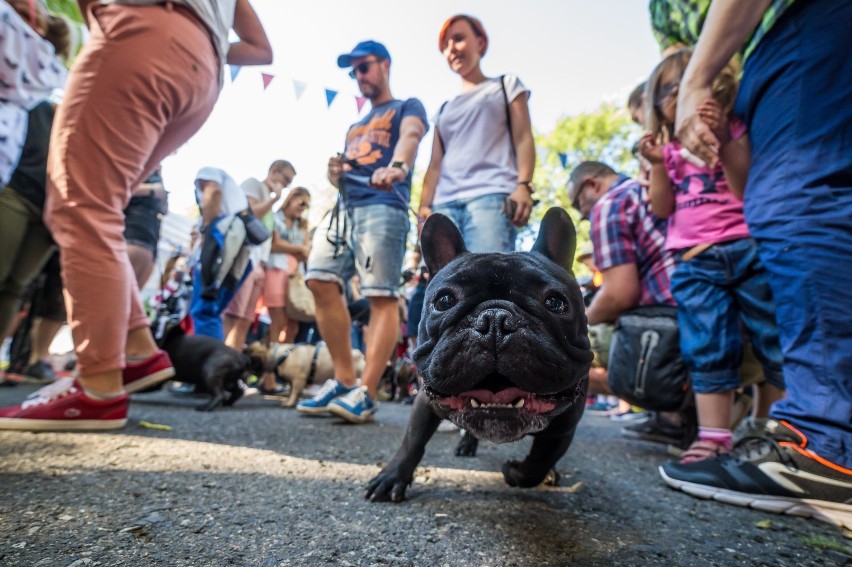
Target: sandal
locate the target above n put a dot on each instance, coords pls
(701, 450)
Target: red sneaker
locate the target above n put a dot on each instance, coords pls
(63, 406)
(138, 376)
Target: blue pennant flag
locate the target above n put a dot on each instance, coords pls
(563, 159)
(235, 70)
(329, 96)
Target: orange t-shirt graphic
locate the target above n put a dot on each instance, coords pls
(362, 140)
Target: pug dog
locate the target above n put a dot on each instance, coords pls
(503, 350)
(299, 365)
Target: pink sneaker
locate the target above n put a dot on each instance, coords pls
(138, 376)
(63, 406)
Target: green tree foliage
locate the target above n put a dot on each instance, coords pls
(606, 134)
(66, 7)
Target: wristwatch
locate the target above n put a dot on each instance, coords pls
(528, 184)
(401, 165)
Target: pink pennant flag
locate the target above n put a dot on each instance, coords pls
(266, 79)
(360, 101)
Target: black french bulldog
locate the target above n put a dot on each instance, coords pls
(503, 350)
(209, 364)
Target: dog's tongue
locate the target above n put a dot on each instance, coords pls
(506, 396)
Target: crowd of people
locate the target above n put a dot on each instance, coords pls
(736, 230)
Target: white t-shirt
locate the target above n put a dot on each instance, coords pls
(233, 198)
(479, 157)
(255, 189)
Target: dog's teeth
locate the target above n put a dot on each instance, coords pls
(519, 403)
(474, 403)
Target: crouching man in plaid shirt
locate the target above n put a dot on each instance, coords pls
(630, 253)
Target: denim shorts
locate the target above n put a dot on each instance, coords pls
(482, 222)
(374, 248)
(717, 292)
(142, 219)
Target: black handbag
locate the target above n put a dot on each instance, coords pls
(645, 365)
(256, 233)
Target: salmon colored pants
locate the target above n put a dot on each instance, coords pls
(143, 85)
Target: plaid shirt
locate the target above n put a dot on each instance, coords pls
(680, 21)
(624, 230)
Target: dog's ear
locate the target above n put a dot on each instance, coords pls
(441, 242)
(557, 238)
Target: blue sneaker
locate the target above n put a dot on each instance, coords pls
(320, 402)
(356, 406)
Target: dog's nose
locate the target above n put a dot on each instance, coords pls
(495, 322)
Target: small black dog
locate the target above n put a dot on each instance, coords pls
(209, 364)
(503, 350)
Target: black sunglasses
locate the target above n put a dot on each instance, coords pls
(362, 67)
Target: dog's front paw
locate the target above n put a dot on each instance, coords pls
(521, 475)
(390, 484)
(467, 445)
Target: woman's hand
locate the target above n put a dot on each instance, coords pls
(522, 198)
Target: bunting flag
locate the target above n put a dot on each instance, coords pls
(235, 70)
(267, 78)
(360, 101)
(299, 88)
(563, 159)
(329, 96)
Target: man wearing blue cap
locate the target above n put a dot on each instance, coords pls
(366, 235)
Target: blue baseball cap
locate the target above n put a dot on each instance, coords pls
(363, 49)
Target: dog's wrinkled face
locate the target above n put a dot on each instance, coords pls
(503, 344)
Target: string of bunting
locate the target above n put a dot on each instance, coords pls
(299, 88)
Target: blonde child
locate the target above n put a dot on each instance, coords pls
(719, 283)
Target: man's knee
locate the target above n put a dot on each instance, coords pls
(324, 289)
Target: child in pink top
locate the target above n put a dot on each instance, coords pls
(719, 283)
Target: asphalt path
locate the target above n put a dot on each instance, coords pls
(258, 485)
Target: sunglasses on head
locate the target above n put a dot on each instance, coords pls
(362, 67)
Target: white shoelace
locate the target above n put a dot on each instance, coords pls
(327, 388)
(60, 388)
(356, 396)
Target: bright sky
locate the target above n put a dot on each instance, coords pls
(571, 54)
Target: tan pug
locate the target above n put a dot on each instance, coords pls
(300, 365)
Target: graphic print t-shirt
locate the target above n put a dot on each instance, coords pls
(705, 209)
(370, 142)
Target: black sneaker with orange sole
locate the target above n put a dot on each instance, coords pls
(773, 472)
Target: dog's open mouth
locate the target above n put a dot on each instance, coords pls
(508, 398)
(504, 413)
(497, 394)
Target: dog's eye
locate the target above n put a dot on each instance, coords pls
(556, 304)
(445, 301)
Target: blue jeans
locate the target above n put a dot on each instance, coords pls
(482, 222)
(375, 249)
(798, 206)
(716, 291)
